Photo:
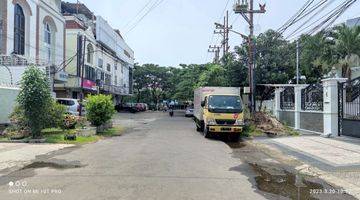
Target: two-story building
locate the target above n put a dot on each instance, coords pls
(32, 32)
(99, 60)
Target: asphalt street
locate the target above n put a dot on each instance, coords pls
(157, 158)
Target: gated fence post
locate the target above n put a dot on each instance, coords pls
(331, 92)
(297, 91)
(277, 102)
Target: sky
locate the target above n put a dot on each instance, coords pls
(180, 31)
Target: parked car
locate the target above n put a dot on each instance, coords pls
(140, 107)
(146, 106)
(72, 105)
(129, 107)
(189, 112)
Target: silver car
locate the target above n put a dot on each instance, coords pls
(72, 105)
(189, 112)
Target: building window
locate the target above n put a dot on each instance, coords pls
(108, 67)
(100, 63)
(90, 73)
(19, 31)
(47, 41)
(107, 79)
(115, 66)
(115, 80)
(90, 53)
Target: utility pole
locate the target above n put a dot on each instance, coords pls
(247, 11)
(82, 75)
(224, 30)
(215, 49)
(297, 61)
(227, 30)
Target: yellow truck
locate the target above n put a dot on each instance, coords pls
(219, 110)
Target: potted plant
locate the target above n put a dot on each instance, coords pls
(70, 135)
(70, 122)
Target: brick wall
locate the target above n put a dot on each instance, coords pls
(3, 26)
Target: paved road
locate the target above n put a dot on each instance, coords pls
(161, 158)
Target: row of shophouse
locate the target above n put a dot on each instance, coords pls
(77, 49)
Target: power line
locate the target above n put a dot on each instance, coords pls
(155, 5)
(310, 19)
(224, 10)
(306, 13)
(294, 17)
(212, 33)
(137, 14)
(333, 17)
(311, 10)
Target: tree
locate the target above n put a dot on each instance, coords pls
(153, 79)
(187, 81)
(139, 81)
(316, 56)
(347, 40)
(236, 71)
(35, 99)
(347, 47)
(214, 75)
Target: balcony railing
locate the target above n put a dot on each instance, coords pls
(113, 89)
(18, 60)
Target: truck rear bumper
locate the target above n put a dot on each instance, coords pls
(225, 129)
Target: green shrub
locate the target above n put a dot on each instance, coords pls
(18, 119)
(55, 115)
(99, 109)
(35, 99)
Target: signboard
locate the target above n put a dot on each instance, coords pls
(89, 84)
(61, 76)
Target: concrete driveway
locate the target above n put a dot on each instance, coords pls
(17, 155)
(159, 158)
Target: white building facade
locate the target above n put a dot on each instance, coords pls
(99, 59)
(32, 32)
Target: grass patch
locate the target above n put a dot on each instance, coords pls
(291, 131)
(251, 130)
(52, 131)
(4, 139)
(112, 132)
(59, 139)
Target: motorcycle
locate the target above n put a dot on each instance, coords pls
(171, 113)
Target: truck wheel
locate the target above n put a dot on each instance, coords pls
(207, 133)
(199, 126)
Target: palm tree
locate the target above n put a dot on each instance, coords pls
(347, 40)
(347, 47)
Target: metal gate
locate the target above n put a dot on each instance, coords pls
(349, 108)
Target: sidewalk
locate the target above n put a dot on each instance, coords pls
(333, 152)
(336, 160)
(14, 156)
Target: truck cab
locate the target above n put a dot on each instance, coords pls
(220, 111)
